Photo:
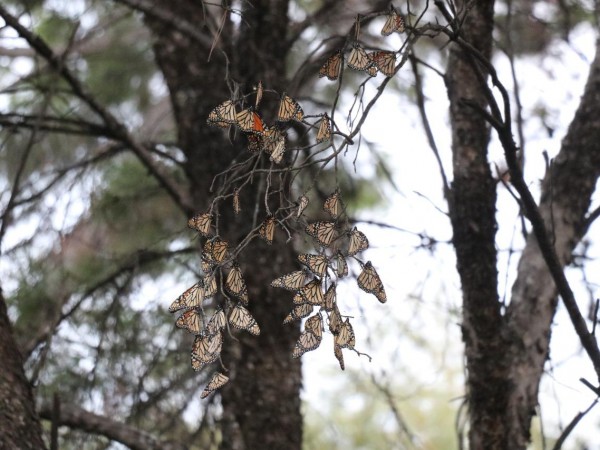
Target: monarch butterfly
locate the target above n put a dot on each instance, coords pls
(312, 293)
(337, 351)
(206, 265)
(345, 336)
(359, 60)
(385, 61)
(217, 381)
(370, 282)
(333, 205)
(299, 312)
(235, 284)
(267, 230)
(335, 319)
(191, 298)
(241, 319)
(332, 67)
(207, 348)
(259, 94)
(298, 299)
(324, 132)
(201, 223)
(358, 242)
(394, 22)
(329, 299)
(217, 322)
(223, 115)
(308, 341)
(191, 321)
(342, 265)
(255, 142)
(210, 285)
(302, 204)
(316, 263)
(277, 150)
(249, 121)
(322, 231)
(215, 250)
(236, 201)
(289, 109)
(292, 281)
(314, 325)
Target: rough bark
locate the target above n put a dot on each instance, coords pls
(19, 424)
(566, 193)
(261, 404)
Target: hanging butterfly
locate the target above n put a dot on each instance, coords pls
(316, 263)
(314, 325)
(359, 60)
(255, 142)
(267, 230)
(324, 132)
(307, 342)
(369, 281)
(207, 265)
(333, 205)
(385, 61)
(217, 322)
(302, 204)
(342, 265)
(278, 150)
(289, 109)
(312, 293)
(201, 223)
(207, 348)
(299, 312)
(299, 299)
(241, 319)
(223, 115)
(345, 336)
(236, 201)
(291, 281)
(210, 285)
(358, 242)
(335, 319)
(337, 351)
(259, 94)
(393, 23)
(215, 250)
(235, 284)
(249, 121)
(329, 298)
(332, 67)
(191, 298)
(322, 231)
(191, 321)
(217, 381)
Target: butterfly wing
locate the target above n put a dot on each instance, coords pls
(217, 381)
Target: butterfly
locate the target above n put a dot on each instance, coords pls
(333, 205)
(210, 285)
(289, 109)
(207, 348)
(299, 312)
(191, 298)
(259, 94)
(190, 320)
(241, 319)
(217, 322)
(206, 265)
(302, 204)
(255, 142)
(299, 299)
(359, 60)
(236, 201)
(249, 121)
(312, 293)
(369, 281)
(308, 341)
(394, 22)
(358, 242)
(385, 61)
(217, 381)
(335, 319)
(322, 231)
(332, 67)
(342, 265)
(278, 150)
(316, 263)
(345, 335)
(267, 230)
(235, 284)
(314, 325)
(215, 250)
(223, 115)
(329, 298)
(291, 281)
(337, 351)
(201, 223)
(324, 131)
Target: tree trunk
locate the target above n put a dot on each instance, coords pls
(261, 403)
(19, 424)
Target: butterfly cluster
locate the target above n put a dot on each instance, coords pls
(314, 285)
(383, 61)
